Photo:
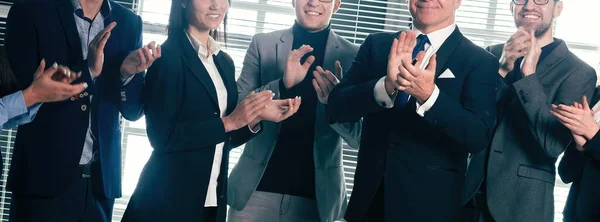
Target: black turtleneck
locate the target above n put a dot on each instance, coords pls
(291, 168)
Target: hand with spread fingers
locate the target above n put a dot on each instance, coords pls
(52, 85)
(415, 81)
(578, 118)
(295, 71)
(325, 81)
(140, 60)
(401, 49)
(95, 56)
(516, 47)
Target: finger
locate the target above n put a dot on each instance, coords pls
(158, 52)
(331, 78)
(140, 53)
(339, 74)
(569, 109)
(563, 119)
(152, 46)
(405, 74)
(324, 84)
(393, 50)
(533, 39)
(401, 82)
(432, 63)
(74, 77)
(40, 69)
(584, 101)
(317, 88)
(71, 90)
(401, 43)
(408, 68)
(303, 50)
(309, 61)
(102, 42)
(148, 56)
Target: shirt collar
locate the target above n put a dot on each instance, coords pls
(438, 37)
(105, 9)
(213, 45)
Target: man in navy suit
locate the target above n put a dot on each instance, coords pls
(66, 163)
(426, 103)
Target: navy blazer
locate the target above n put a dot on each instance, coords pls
(424, 170)
(184, 126)
(47, 151)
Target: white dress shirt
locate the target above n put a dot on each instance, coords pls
(211, 68)
(436, 39)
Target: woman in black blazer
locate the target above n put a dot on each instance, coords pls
(192, 120)
(581, 161)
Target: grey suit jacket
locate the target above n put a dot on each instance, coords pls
(263, 68)
(528, 138)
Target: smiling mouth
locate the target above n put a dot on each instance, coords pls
(214, 16)
(312, 13)
(531, 16)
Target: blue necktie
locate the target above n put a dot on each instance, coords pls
(402, 97)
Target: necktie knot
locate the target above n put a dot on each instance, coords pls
(421, 41)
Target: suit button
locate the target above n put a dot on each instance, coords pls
(81, 95)
(83, 108)
(123, 99)
(215, 113)
(85, 94)
(72, 98)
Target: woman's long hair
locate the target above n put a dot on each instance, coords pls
(8, 81)
(178, 21)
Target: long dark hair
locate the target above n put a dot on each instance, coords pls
(8, 81)
(178, 21)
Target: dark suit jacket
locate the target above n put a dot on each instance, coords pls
(423, 171)
(520, 173)
(184, 125)
(583, 169)
(47, 151)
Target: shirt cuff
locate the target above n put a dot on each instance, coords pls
(15, 105)
(421, 109)
(381, 96)
(92, 74)
(126, 80)
(256, 128)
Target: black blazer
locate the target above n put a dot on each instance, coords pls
(583, 169)
(47, 150)
(184, 125)
(423, 171)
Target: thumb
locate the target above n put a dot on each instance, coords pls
(584, 101)
(48, 72)
(338, 70)
(40, 68)
(309, 61)
(533, 39)
(77, 88)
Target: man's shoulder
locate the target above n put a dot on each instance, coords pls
(346, 45)
(122, 12)
(475, 52)
(270, 36)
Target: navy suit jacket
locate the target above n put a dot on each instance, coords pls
(47, 151)
(423, 169)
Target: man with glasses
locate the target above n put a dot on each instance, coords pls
(293, 171)
(514, 179)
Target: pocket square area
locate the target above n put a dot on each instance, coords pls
(447, 75)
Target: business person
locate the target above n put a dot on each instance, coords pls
(66, 163)
(425, 107)
(296, 164)
(514, 180)
(192, 120)
(581, 162)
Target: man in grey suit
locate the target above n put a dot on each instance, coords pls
(514, 180)
(293, 171)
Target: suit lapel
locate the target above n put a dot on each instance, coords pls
(190, 58)
(65, 11)
(446, 50)
(283, 49)
(557, 55)
(224, 70)
(331, 52)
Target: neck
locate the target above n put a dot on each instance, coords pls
(91, 7)
(200, 34)
(311, 30)
(427, 29)
(545, 39)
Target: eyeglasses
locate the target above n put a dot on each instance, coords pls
(537, 2)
